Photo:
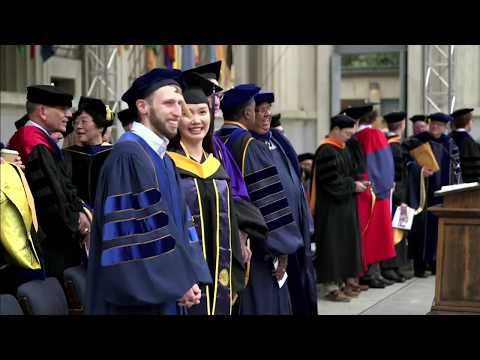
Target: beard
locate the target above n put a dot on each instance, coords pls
(161, 126)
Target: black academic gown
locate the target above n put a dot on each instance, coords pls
(469, 155)
(56, 200)
(58, 215)
(337, 233)
(208, 194)
(83, 165)
(358, 159)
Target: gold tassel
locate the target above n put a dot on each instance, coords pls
(110, 114)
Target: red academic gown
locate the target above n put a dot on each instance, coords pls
(374, 205)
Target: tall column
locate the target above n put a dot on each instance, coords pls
(466, 72)
(466, 75)
(415, 82)
(241, 62)
(279, 71)
(290, 72)
(324, 53)
(307, 82)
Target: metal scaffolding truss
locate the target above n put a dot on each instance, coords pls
(101, 73)
(136, 62)
(104, 70)
(439, 94)
(108, 70)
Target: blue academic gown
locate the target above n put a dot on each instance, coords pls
(144, 251)
(300, 269)
(262, 294)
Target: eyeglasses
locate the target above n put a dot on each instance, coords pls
(263, 110)
(81, 120)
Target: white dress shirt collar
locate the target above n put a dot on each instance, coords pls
(364, 126)
(157, 142)
(32, 123)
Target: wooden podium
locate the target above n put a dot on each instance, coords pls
(457, 283)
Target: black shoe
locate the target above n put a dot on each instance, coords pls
(386, 281)
(364, 280)
(376, 284)
(392, 276)
(403, 275)
(421, 275)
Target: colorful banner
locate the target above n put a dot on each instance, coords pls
(169, 55)
(151, 56)
(188, 57)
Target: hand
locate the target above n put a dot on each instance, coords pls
(367, 183)
(85, 243)
(191, 297)
(282, 267)
(246, 252)
(427, 172)
(197, 292)
(360, 186)
(243, 236)
(83, 224)
(19, 163)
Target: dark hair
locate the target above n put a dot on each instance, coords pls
(369, 118)
(236, 113)
(394, 126)
(99, 121)
(138, 117)
(30, 106)
(462, 121)
(207, 142)
(341, 122)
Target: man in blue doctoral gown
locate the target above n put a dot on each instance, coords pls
(301, 273)
(145, 257)
(263, 294)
